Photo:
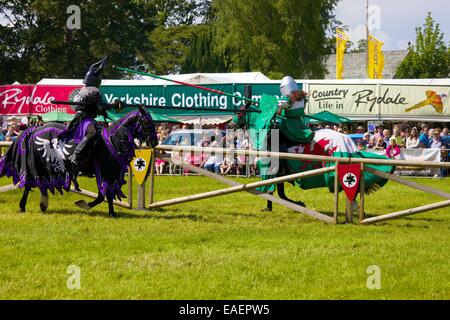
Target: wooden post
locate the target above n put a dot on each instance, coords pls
(349, 210)
(152, 178)
(407, 212)
(362, 188)
(8, 188)
(141, 197)
(130, 187)
(266, 196)
(336, 194)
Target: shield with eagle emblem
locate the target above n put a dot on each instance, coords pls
(140, 165)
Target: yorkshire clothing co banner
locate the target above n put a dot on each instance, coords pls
(379, 101)
(37, 99)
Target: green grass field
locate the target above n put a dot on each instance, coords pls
(223, 248)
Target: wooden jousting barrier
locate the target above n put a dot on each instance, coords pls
(250, 187)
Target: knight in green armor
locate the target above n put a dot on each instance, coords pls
(291, 112)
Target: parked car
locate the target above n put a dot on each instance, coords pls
(192, 137)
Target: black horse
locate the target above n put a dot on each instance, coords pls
(39, 159)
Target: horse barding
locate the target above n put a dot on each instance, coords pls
(39, 158)
(326, 142)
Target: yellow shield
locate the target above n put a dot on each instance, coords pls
(140, 164)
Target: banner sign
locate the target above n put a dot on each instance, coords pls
(375, 63)
(341, 46)
(140, 164)
(349, 176)
(379, 100)
(429, 154)
(193, 100)
(35, 99)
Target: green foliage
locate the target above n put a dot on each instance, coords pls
(38, 44)
(223, 248)
(201, 56)
(275, 37)
(429, 57)
(361, 46)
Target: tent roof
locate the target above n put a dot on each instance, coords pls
(194, 78)
(327, 117)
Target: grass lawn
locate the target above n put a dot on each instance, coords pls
(223, 248)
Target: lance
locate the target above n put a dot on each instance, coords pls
(186, 84)
(118, 105)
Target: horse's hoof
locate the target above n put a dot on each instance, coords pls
(43, 208)
(113, 215)
(266, 210)
(83, 205)
(301, 204)
(22, 210)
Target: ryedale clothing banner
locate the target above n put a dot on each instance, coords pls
(380, 101)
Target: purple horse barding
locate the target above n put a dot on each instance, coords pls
(39, 158)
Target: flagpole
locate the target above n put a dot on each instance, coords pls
(367, 38)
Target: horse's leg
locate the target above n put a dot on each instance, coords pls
(44, 201)
(282, 195)
(23, 200)
(268, 208)
(111, 206)
(88, 206)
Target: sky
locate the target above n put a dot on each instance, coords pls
(392, 21)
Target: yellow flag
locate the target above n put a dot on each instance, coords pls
(341, 42)
(140, 164)
(375, 64)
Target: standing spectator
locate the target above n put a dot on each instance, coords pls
(398, 138)
(444, 158)
(360, 130)
(393, 150)
(386, 136)
(380, 144)
(444, 132)
(159, 166)
(366, 140)
(412, 142)
(379, 133)
(423, 138)
(436, 141)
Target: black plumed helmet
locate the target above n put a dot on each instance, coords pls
(93, 77)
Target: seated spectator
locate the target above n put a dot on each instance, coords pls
(226, 165)
(212, 164)
(444, 132)
(372, 143)
(393, 150)
(361, 146)
(413, 142)
(380, 144)
(159, 166)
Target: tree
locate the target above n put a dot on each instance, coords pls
(37, 42)
(276, 37)
(201, 56)
(361, 46)
(429, 57)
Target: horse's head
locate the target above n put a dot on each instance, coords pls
(146, 131)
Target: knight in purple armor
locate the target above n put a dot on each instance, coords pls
(83, 128)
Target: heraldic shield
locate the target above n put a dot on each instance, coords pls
(140, 165)
(349, 176)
